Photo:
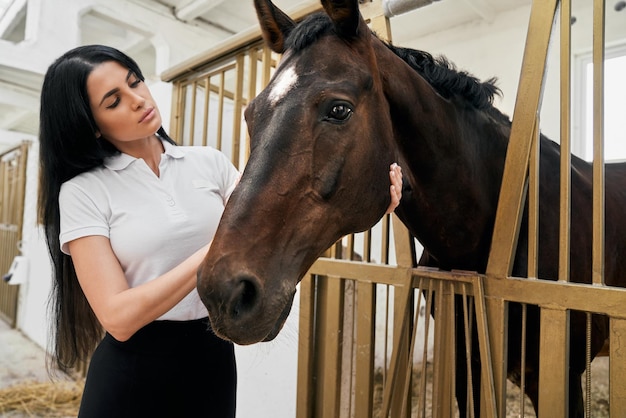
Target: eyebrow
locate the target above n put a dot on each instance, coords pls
(115, 90)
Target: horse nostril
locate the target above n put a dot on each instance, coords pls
(245, 297)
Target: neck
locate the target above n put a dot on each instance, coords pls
(452, 154)
(148, 149)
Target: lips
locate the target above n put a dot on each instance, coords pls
(148, 114)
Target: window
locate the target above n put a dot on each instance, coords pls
(614, 106)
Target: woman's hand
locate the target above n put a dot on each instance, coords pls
(395, 175)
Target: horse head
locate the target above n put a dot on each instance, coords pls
(320, 150)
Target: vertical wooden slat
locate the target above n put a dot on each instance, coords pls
(468, 353)
(207, 110)
(266, 65)
(331, 296)
(492, 346)
(533, 202)
(252, 91)
(305, 406)
(554, 363)
(365, 339)
(192, 112)
(529, 92)
(566, 157)
(238, 109)
(408, 376)
(176, 118)
(402, 307)
(598, 142)
(13, 181)
(442, 366)
(617, 366)
(522, 400)
(392, 392)
(512, 194)
(220, 110)
(421, 409)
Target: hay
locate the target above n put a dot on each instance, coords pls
(42, 399)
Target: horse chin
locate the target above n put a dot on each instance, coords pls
(280, 322)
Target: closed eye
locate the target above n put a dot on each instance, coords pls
(114, 104)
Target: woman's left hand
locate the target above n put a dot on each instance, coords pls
(395, 175)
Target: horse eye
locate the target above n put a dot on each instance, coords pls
(339, 113)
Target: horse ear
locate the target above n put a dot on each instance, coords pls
(275, 24)
(345, 15)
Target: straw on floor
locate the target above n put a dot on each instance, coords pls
(42, 399)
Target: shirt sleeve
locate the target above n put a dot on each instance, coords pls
(79, 216)
(230, 176)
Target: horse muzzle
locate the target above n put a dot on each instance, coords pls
(239, 309)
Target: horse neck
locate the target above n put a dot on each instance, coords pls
(454, 156)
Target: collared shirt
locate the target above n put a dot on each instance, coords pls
(153, 223)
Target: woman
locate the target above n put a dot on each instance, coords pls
(128, 218)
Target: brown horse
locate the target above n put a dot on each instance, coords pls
(341, 106)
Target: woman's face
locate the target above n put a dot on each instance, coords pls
(121, 104)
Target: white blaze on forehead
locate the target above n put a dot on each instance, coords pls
(283, 83)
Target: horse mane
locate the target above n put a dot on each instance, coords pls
(440, 73)
(446, 79)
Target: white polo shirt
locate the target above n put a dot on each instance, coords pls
(153, 223)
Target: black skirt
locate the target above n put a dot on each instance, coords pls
(167, 369)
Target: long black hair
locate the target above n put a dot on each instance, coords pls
(69, 146)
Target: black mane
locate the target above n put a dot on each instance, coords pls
(446, 79)
(439, 72)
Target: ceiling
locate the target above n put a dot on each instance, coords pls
(193, 25)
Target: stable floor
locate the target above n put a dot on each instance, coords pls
(21, 360)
